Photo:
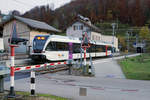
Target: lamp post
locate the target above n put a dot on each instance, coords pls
(127, 41)
(113, 26)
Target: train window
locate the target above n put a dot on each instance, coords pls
(62, 46)
(100, 48)
(51, 46)
(76, 48)
(91, 49)
(57, 46)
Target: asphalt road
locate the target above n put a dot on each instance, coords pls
(109, 84)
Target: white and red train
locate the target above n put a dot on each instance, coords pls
(56, 48)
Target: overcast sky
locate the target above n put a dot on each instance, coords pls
(26, 5)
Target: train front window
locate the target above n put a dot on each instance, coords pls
(39, 42)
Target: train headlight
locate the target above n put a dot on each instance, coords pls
(42, 38)
(38, 38)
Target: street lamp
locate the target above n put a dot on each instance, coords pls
(113, 26)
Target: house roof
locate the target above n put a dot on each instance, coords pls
(34, 24)
(90, 25)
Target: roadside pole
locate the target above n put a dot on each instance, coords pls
(84, 68)
(91, 67)
(85, 44)
(32, 83)
(13, 41)
(12, 83)
(113, 26)
(81, 55)
(70, 58)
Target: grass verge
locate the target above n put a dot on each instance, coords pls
(136, 67)
(26, 96)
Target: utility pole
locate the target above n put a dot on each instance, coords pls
(70, 58)
(113, 26)
(127, 41)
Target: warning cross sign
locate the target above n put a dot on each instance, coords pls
(85, 42)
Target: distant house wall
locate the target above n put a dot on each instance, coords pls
(23, 32)
(33, 33)
(1, 44)
(96, 36)
(109, 39)
(77, 29)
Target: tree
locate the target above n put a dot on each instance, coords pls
(122, 43)
(122, 10)
(109, 15)
(14, 12)
(138, 18)
(144, 33)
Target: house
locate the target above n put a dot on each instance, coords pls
(26, 28)
(82, 24)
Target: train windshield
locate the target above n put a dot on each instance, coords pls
(39, 42)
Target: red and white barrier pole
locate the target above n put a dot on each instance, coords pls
(84, 56)
(84, 67)
(12, 69)
(106, 50)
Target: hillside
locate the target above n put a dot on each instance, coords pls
(132, 12)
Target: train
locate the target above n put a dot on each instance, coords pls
(56, 48)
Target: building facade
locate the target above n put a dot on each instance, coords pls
(81, 25)
(27, 29)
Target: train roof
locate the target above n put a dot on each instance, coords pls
(64, 39)
(73, 40)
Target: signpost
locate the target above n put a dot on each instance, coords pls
(13, 41)
(85, 44)
(70, 57)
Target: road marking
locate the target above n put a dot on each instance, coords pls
(98, 88)
(129, 90)
(101, 61)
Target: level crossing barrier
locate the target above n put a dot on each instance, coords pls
(17, 69)
(39, 66)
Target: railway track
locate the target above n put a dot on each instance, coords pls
(52, 69)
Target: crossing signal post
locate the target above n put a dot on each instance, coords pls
(13, 41)
(85, 44)
(70, 58)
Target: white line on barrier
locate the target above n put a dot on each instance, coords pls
(38, 66)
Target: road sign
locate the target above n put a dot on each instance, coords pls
(14, 37)
(85, 42)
